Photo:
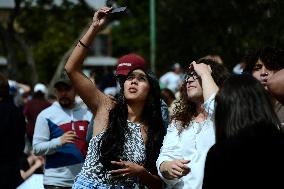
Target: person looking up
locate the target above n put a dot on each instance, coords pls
(129, 131)
(191, 132)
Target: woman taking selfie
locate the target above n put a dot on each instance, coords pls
(128, 132)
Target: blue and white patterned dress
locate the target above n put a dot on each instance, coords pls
(92, 175)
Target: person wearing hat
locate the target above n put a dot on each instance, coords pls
(129, 62)
(129, 131)
(60, 135)
(125, 64)
(132, 61)
(33, 107)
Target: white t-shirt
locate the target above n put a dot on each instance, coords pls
(171, 80)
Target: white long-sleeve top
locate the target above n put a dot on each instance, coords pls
(191, 144)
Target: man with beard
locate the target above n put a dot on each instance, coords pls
(60, 135)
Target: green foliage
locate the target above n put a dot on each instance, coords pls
(190, 29)
(186, 30)
(225, 27)
(131, 34)
(51, 30)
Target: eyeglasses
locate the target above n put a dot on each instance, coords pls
(192, 75)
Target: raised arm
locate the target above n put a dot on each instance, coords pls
(93, 98)
(275, 85)
(208, 84)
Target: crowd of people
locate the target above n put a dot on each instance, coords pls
(204, 127)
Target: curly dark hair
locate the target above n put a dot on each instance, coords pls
(113, 140)
(185, 109)
(272, 58)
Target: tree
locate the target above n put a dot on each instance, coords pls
(38, 33)
(131, 34)
(52, 30)
(41, 36)
(188, 29)
(192, 29)
(14, 44)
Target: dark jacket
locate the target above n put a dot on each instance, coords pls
(12, 143)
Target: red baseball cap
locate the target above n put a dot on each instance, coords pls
(130, 62)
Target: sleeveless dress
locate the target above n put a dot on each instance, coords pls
(92, 175)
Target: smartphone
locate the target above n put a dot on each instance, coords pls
(117, 10)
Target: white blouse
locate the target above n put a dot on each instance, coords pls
(191, 144)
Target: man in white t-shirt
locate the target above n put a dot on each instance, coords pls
(172, 79)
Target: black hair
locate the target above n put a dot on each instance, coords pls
(243, 107)
(113, 140)
(271, 57)
(168, 96)
(185, 109)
